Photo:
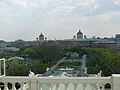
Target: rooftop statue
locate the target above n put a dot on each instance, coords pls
(31, 74)
(98, 86)
(99, 74)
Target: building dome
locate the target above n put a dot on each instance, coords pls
(41, 37)
(79, 33)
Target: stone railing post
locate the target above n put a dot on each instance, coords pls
(49, 86)
(5, 86)
(84, 86)
(115, 81)
(0, 68)
(93, 86)
(39, 86)
(33, 85)
(4, 68)
(22, 86)
(13, 86)
(57, 86)
(102, 86)
(66, 86)
(75, 86)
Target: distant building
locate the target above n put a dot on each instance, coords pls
(31, 43)
(93, 37)
(72, 54)
(41, 37)
(20, 60)
(73, 43)
(19, 40)
(117, 40)
(16, 58)
(2, 46)
(118, 46)
(79, 35)
(14, 49)
(118, 36)
(105, 44)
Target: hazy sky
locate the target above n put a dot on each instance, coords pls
(60, 19)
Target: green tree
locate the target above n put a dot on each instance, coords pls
(16, 69)
(39, 67)
(30, 52)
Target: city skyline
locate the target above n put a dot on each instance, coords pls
(60, 19)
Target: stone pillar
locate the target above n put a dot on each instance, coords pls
(115, 81)
(0, 68)
(57, 86)
(75, 86)
(4, 68)
(13, 86)
(39, 86)
(66, 86)
(49, 86)
(102, 86)
(111, 86)
(22, 86)
(5, 86)
(84, 86)
(33, 85)
(93, 86)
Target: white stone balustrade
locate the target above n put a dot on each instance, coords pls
(54, 83)
(36, 83)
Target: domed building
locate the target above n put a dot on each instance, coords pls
(41, 37)
(79, 35)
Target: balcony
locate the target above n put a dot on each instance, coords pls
(57, 83)
(60, 83)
